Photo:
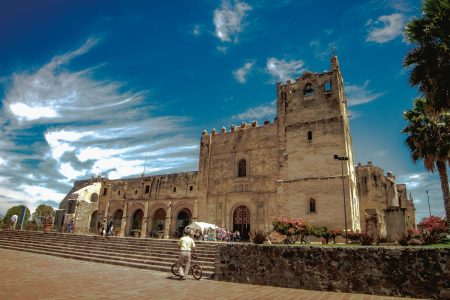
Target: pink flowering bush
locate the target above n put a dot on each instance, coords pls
(292, 229)
(432, 230)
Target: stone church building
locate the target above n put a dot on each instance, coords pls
(299, 166)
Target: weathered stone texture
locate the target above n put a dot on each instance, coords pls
(413, 272)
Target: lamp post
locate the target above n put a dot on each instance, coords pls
(342, 159)
(428, 197)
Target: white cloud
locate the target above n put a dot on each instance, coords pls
(386, 28)
(85, 127)
(283, 70)
(357, 95)
(228, 20)
(222, 49)
(196, 31)
(69, 172)
(29, 113)
(258, 113)
(242, 73)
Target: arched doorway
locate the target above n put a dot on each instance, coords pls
(183, 220)
(94, 221)
(117, 221)
(159, 223)
(241, 221)
(136, 221)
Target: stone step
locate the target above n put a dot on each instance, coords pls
(207, 262)
(154, 261)
(115, 240)
(152, 254)
(206, 273)
(118, 248)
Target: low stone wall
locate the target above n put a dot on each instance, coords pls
(395, 271)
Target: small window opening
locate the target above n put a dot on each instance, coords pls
(283, 95)
(135, 192)
(328, 87)
(105, 191)
(308, 90)
(118, 192)
(174, 189)
(309, 135)
(312, 205)
(147, 189)
(191, 188)
(242, 168)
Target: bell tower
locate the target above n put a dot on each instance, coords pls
(313, 127)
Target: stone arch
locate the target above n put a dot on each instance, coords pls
(242, 168)
(312, 205)
(158, 217)
(176, 224)
(241, 220)
(117, 220)
(135, 218)
(182, 219)
(94, 221)
(308, 90)
(94, 197)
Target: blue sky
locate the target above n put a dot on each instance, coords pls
(89, 87)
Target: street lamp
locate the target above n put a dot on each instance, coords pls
(429, 208)
(342, 159)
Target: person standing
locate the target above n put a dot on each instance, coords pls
(14, 221)
(109, 226)
(186, 245)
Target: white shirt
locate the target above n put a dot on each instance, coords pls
(186, 243)
(14, 218)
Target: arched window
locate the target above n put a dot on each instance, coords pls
(308, 90)
(312, 205)
(327, 87)
(94, 197)
(242, 168)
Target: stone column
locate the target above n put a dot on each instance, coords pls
(195, 214)
(105, 217)
(144, 221)
(168, 221)
(124, 219)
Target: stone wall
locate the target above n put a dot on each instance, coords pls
(413, 272)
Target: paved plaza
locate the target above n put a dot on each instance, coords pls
(34, 276)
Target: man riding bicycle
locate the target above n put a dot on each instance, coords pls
(186, 245)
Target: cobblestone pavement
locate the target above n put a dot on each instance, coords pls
(34, 276)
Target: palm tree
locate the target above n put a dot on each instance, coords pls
(429, 140)
(430, 59)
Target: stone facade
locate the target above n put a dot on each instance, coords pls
(401, 271)
(384, 205)
(250, 174)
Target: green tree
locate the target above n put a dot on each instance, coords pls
(17, 210)
(429, 60)
(429, 140)
(42, 212)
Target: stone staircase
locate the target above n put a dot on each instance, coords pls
(151, 254)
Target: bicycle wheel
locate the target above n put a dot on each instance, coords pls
(197, 271)
(175, 269)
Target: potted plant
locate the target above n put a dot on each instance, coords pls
(47, 220)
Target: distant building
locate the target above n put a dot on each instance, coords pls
(253, 174)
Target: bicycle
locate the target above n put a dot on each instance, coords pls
(195, 269)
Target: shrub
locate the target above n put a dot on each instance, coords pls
(366, 239)
(292, 229)
(381, 240)
(354, 237)
(432, 230)
(258, 236)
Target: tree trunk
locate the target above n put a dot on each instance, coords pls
(442, 168)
